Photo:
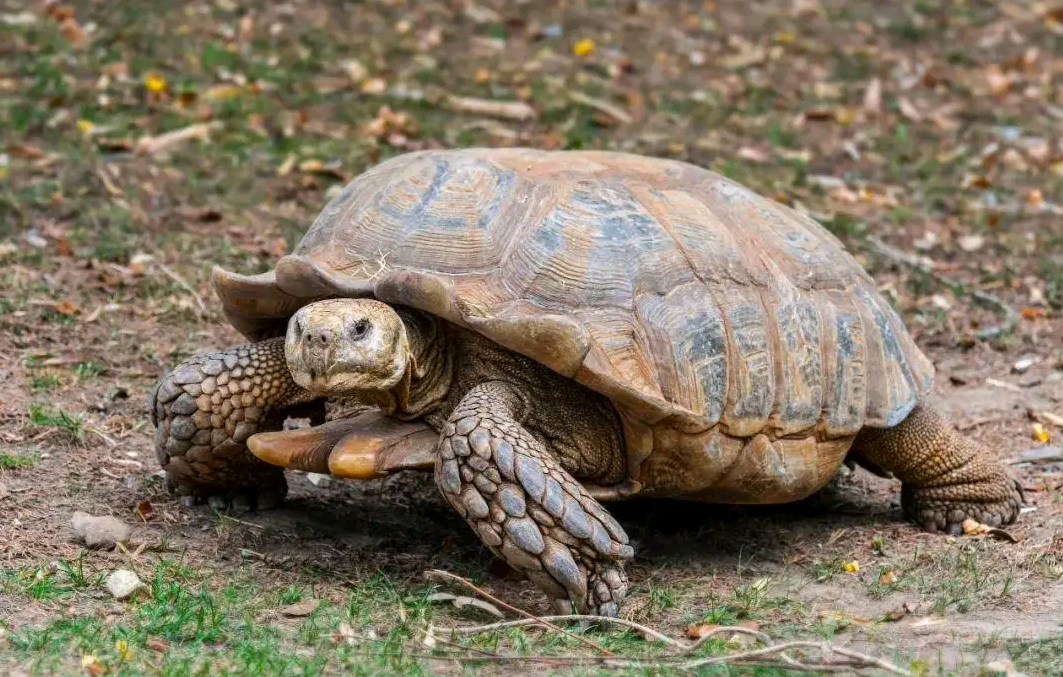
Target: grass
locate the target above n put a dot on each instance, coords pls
(11, 460)
(185, 625)
(72, 425)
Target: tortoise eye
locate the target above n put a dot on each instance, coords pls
(360, 328)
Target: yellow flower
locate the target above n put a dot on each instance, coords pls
(852, 566)
(583, 47)
(85, 126)
(1039, 432)
(154, 82)
(122, 647)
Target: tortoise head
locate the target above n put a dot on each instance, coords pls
(355, 347)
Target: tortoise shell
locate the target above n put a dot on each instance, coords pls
(742, 345)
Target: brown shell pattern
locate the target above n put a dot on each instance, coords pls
(689, 300)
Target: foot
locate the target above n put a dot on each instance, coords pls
(935, 509)
(205, 410)
(527, 508)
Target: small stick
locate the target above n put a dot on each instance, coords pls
(683, 647)
(240, 521)
(468, 584)
(184, 285)
(870, 660)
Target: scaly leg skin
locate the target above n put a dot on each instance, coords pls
(526, 507)
(204, 411)
(945, 477)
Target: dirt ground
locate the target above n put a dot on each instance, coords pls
(925, 134)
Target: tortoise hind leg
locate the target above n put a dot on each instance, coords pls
(204, 411)
(945, 476)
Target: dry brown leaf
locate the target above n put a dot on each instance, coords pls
(699, 630)
(25, 150)
(144, 510)
(975, 528)
(873, 96)
(909, 110)
(72, 31)
(66, 307)
(752, 154)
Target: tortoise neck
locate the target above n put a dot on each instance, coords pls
(432, 362)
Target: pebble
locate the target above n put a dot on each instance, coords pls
(99, 532)
(123, 583)
(319, 479)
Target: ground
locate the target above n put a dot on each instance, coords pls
(924, 134)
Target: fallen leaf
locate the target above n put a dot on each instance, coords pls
(72, 31)
(971, 243)
(24, 150)
(975, 528)
(699, 630)
(223, 92)
(66, 307)
(374, 86)
(145, 510)
(156, 644)
(887, 577)
(354, 70)
(300, 609)
(91, 665)
(754, 154)
(873, 96)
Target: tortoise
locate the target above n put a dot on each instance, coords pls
(551, 330)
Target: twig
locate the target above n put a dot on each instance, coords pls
(148, 145)
(468, 584)
(824, 647)
(870, 660)
(617, 114)
(682, 646)
(509, 110)
(1010, 317)
(240, 521)
(102, 435)
(168, 272)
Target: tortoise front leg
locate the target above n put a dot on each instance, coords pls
(204, 411)
(513, 491)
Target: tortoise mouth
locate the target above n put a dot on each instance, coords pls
(340, 378)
